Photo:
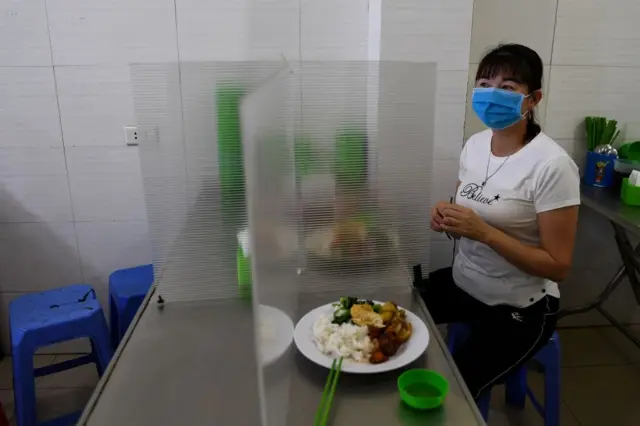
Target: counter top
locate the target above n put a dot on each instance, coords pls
(193, 363)
(607, 203)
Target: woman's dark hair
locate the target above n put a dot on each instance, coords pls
(519, 63)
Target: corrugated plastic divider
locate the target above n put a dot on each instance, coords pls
(268, 140)
(187, 115)
(364, 195)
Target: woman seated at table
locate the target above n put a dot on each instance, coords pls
(515, 214)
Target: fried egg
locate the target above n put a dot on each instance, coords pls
(364, 315)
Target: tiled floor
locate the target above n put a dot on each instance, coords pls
(600, 378)
(600, 382)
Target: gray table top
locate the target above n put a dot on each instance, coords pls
(175, 368)
(184, 365)
(607, 203)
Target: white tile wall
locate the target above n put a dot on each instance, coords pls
(28, 108)
(579, 91)
(211, 30)
(334, 30)
(95, 103)
(120, 160)
(445, 177)
(24, 37)
(576, 148)
(108, 246)
(38, 256)
(450, 110)
(513, 21)
(274, 29)
(35, 199)
(593, 32)
(106, 184)
(435, 30)
(32, 161)
(33, 185)
(112, 32)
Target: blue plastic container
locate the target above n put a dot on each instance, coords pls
(599, 169)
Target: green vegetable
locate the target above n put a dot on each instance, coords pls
(348, 301)
(600, 131)
(343, 312)
(341, 316)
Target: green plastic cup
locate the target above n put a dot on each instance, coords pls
(230, 154)
(243, 266)
(351, 158)
(422, 389)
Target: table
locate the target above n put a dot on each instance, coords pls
(624, 219)
(173, 370)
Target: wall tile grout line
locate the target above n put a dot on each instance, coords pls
(553, 43)
(470, 82)
(64, 151)
(184, 141)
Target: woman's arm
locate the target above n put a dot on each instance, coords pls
(552, 259)
(556, 201)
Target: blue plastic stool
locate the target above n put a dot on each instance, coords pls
(42, 319)
(127, 289)
(516, 383)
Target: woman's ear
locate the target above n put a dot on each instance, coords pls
(536, 97)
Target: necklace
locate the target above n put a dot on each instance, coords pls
(486, 175)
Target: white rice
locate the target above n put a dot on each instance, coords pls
(346, 340)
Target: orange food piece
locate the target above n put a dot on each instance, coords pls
(378, 357)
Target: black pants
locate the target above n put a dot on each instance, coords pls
(502, 337)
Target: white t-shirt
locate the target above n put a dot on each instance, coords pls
(538, 178)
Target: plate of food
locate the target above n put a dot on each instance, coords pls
(371, 336)
(350, 241)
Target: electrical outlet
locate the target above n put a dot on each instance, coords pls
(131, 135)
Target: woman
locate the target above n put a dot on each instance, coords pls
(515, 213)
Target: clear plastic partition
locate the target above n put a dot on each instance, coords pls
(271, 182)
(337, 159)
(188, 118)
(364, 151)
(268, 116)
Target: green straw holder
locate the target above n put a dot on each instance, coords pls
(630, 194)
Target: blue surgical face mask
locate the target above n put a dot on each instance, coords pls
(497, 108)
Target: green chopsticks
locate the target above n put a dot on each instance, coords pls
(327, 394)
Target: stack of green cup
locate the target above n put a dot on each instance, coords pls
(351, 158)
(230, 153)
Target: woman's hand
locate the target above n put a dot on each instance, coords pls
(464, 222)
(437, 219)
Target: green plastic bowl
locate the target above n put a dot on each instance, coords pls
(630, 150)
(423, 389)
